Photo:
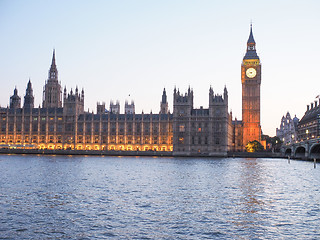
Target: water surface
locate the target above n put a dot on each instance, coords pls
(72, 197)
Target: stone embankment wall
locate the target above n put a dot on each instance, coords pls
(135, 153)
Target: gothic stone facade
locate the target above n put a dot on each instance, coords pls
(62, 123)
(287, 132)
(200, 131)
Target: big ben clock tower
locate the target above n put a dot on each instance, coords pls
(251, 81)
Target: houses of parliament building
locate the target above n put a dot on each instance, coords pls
(62, 123)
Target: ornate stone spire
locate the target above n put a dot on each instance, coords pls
(164, 103)
(164, 96)
(53, 72)
(29, 90)
(29, 98)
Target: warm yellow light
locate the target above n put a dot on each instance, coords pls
(250, 147)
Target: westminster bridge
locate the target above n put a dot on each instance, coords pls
(307, 149)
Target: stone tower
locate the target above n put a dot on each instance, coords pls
(115, 108)
(218, 121)
(251, 81)
(73, 103)
(182, 104)
(52, 89)
(101, 108)
(29, 98)
(164, 103)
(15, 100)
(129, 108)
(182, 107)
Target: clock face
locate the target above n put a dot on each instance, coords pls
(251, 72)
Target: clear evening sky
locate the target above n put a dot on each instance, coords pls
(131, 50)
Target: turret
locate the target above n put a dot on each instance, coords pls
(210, 91)
(82, 94)
(218, 104)
(115, 108)
(29, 98)
(101, 108)
(73, 103)
(65, 93)
(182, 104)
(225, 94)
(129, 108)
(15, 100)
(164, 103)
(217, 98)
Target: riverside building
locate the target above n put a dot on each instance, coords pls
(287, 132)
(62, 123)
(309, 125)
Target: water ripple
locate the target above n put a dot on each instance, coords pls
(57, 197)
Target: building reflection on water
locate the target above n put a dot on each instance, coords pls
(249, 212)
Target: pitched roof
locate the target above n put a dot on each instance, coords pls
(251, 39)
(310, 115)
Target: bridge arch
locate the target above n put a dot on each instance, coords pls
(300, 152)
(315, 151)
(288, 152)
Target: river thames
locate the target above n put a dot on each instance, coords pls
(79, 197)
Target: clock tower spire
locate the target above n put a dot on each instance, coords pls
(251, 47)
(251, 81)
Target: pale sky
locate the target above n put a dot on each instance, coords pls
(114, 49)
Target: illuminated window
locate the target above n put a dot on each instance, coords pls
(199, 129)
(181, 128)
(181, 140)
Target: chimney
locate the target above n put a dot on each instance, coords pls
(311, 105)
(315, 104)
(308, 108)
